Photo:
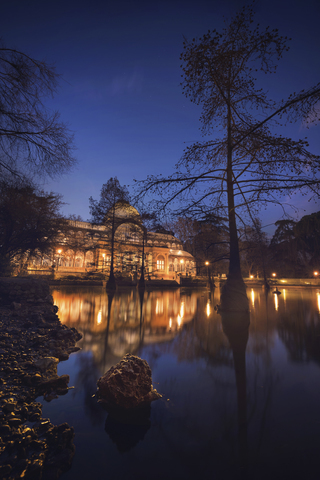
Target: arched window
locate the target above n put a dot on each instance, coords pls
(176, 265)
(79, 260)
(160, 263)
(89, 259)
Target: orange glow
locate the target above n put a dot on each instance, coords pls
(274, 274)
(276, 302)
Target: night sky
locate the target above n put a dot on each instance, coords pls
(120, 88)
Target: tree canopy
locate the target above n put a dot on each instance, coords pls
(113, 198)
(30, 223)
(33, 140)
(245, 163)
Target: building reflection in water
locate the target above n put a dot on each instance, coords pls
(129, 320)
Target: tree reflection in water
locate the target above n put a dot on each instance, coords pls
(236, 328)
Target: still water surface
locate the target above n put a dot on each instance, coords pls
(236, 404)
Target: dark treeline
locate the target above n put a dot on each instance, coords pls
(293, 251)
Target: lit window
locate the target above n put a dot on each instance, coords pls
(160, 264)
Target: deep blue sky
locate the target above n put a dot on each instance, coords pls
(120, 92)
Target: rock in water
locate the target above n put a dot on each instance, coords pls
(127, 385)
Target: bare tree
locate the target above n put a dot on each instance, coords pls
(244, 163)
(33, 140)
(105, 211)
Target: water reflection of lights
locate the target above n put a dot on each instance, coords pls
(159, 306)
(182, 310)
(318, 300)
(208, 309)
(169, 310)
(276, 302)
(252, 297)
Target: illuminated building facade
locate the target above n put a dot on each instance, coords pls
(88, 248)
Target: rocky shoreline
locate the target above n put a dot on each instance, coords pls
(32, 342)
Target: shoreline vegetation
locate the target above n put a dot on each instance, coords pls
(32, 342)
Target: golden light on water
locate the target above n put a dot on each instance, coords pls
(252, 297)
(99, 317)
(318, 300)
(179, 321)
(182, 310)
(208, 309)
(159, 306)
(170, 323)
(276, 302)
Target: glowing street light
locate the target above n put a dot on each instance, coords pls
(315, 274)
(59, 257)
(208, 276)
(274, 274)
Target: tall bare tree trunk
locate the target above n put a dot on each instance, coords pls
(233, 296)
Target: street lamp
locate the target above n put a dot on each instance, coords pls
(274, 274)
(59, 253)
(207, 265)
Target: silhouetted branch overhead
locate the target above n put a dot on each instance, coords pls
(33, 139)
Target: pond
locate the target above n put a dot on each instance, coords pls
(237, 402)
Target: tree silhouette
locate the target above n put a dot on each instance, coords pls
(33, 140)
(30, 223)
(244, 163)
(104, 212)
